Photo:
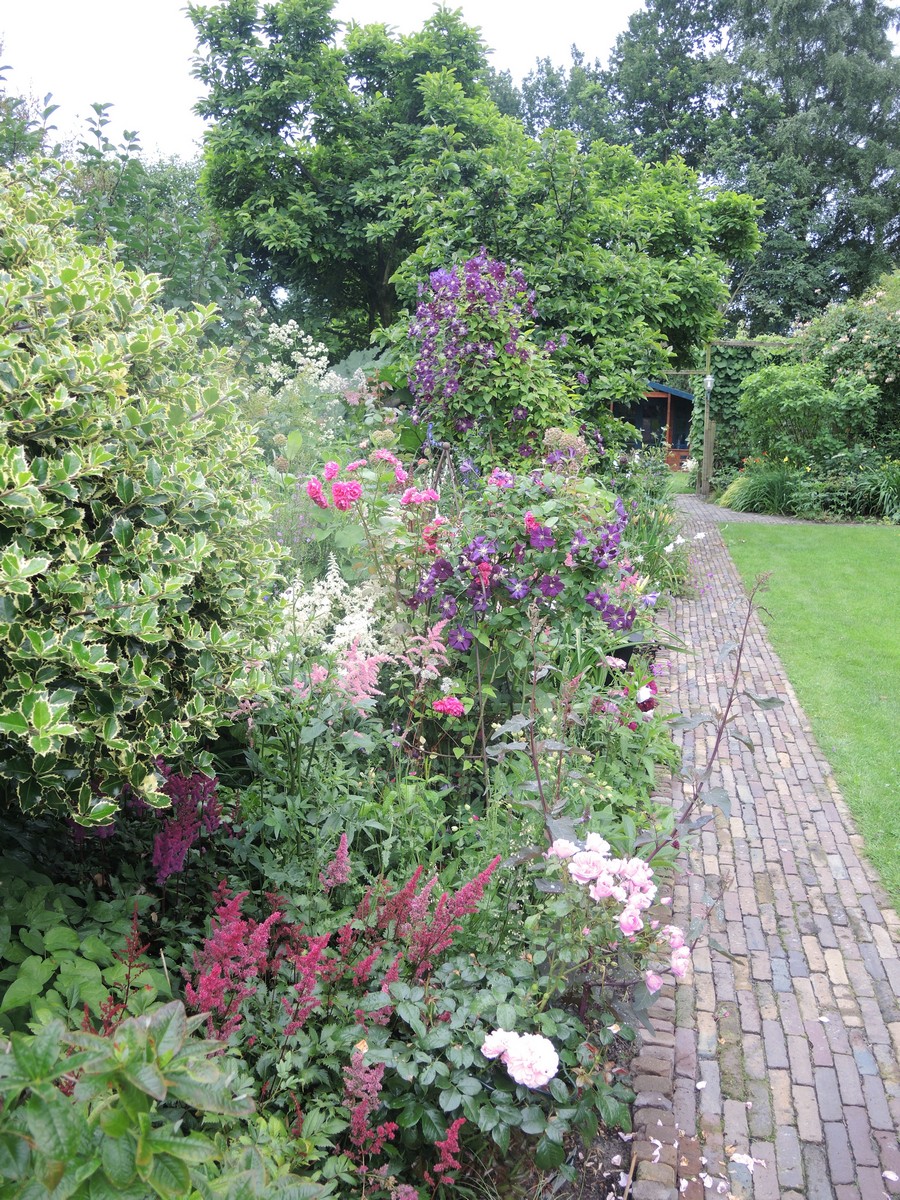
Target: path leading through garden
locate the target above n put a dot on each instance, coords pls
(777, 1071)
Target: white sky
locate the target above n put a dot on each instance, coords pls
(136, 54)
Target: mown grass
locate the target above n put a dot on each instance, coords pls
(680, 482)
(834, 617)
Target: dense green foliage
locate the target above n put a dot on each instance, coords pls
(128, 598)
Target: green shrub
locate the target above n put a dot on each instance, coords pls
(134, 576)
(789, 412)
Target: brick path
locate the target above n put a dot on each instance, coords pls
(788, 1054)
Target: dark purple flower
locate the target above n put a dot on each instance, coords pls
(582, 378)
(441, 570)
(459, 638)
(525, 450)
(448, 607)
(520, 413)
(542, 538)
(550, 586)
(517, 588)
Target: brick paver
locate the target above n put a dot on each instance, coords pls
(794, 1041)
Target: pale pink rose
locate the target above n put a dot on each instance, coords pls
(498, 1042)
(653, 981)
(532, 1060)
(594, 841)
(673, 935)
(681, 960)
(630, 922)
(587, 865)
(562, 848)
(603, 886)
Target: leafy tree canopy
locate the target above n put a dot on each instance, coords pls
(792, 101)
(349, 173)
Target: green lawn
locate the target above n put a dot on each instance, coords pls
(681, 482)
(834, 605)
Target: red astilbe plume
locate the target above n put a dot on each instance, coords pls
(362, 1096)
(448, 1161)
(236, 952)
(195, 804)
(113, 1008)
(428, 939)
(310, 968)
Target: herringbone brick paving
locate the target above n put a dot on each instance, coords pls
(775, 1072)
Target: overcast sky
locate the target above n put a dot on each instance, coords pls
(136, 54)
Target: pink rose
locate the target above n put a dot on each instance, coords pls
(531, 1060)
(314, 491)
(498, 1042)
(562, 848)
(630, 922)
(653, 981)
(449, 705)
(594, 841)
(681, 960)
(586, 865)
(331, 469)
(345, 495)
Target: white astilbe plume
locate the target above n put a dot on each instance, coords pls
(328, 617)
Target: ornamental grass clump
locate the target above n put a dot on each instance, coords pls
(135, 574)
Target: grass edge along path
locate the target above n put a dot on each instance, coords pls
(832, 612)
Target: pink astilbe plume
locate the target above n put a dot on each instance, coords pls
(358, 675)
(310, 968)
(195, 805)
(426, 939)
(362, 1096)
(448, 1161)
(338, 870)
(427, 654)
(235, 953)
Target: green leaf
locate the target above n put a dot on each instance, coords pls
(56, 1125)
(506, 1016)
(168, 1028)
(169, 1178)
(37, 1055)
(549, 1155)
(117, 1154)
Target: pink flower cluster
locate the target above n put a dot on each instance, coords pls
(344, 493)
(629, 881)
(414, 496)
(529, 1058)
(382, 455)
(449, 705)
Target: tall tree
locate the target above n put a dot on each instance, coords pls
(795, 101)
(576, 98)
(311, 153)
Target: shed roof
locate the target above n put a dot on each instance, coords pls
(653, 386)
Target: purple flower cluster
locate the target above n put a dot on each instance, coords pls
(447, 307)
(525, 560)
(614, 616)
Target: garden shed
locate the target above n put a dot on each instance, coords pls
(663, 415)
